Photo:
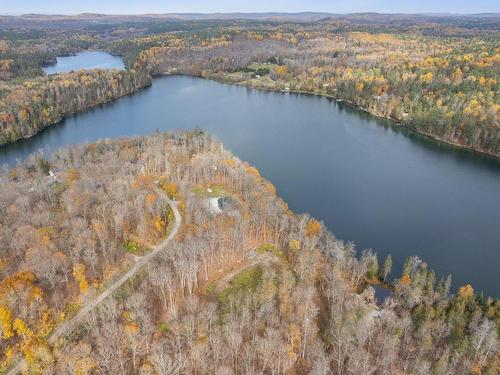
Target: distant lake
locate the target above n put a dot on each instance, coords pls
(85, 60)
(369, 181)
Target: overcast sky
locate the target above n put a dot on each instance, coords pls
(206, 6)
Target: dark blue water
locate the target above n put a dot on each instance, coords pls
(85, 60)
(370, 182)
(381, 293)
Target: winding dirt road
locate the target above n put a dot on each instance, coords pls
(68, 326)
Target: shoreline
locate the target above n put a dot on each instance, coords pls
(71, 113)
(394, 121)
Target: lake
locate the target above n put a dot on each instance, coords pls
(368, 180)
(85, 60)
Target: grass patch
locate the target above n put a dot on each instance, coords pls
(171, 189)
(133, 247)
(217, 191)
(260, 69)
(245, 282)
(270, 248)
(71, 310)
(169, 218)
(164, 327)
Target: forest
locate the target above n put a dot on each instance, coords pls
(446, 88)
(246, 287)
(39, 102)
(30, 100)
(435, 75)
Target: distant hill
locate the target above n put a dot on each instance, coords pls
(301, 16)
(490, 21)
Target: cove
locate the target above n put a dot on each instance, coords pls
(369, 181)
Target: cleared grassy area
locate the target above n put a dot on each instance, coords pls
(132, 247)
(258, 66)
(216, 191)
(245, 282)
(270, 248)
(71, 309)
(264, 82)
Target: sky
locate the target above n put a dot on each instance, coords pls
(225, 6)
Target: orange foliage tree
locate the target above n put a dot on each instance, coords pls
(313, 228)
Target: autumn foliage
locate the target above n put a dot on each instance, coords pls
(313, 228)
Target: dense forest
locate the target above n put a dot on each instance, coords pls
(447, 88)
(435, 75)
(39, 102)
(246, 286)
(31, 100)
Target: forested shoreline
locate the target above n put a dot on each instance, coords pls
(430, 94)
(248, 288)
(31, 106)
(435, 79)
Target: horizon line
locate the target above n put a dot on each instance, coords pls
(247, 13)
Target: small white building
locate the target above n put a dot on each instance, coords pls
(213, 206)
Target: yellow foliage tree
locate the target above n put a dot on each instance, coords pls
(466, 291)
(427, 77)
(230, 162)
(131, 328)
(45, 234)
(38, 357)
(270, 188)
(294, 245)
(473, 108)
(81, 279)
(457, 76)
(171, 189)
(159, 224)
(6, 323)
(282, 71)
(21, 328)
(294, 338)
(359, 86)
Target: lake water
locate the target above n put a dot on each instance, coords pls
(369, 181)
(85, 60)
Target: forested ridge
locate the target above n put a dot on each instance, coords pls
(246, 287)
